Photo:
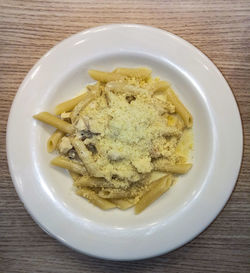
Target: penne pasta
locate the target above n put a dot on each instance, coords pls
(54, 140)
(102, 76)
(107, 194)
(122, 203)
(69, 104)
(175, 121)
(66, 163)
(80, 106)
(75, 176)
(91, 182)
(121, 87)
(66, 116)
(155, 190)
(86, 158)
(141, 73)
(160, 86)
(95, 88)
(163, 166)
(95, 199)
(180, 108)
(55, 122)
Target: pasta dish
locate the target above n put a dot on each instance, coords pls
(124, 140)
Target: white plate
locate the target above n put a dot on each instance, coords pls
(188, 207)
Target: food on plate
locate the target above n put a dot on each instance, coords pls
(124, 140)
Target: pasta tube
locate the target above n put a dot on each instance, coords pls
(105, 76)
(55, 122)
(180, 108)
(141, 72)
(54, 140)
(160, 86)
(75, 176)
(107, 194)
(122, 203)
(91, 182)
(95, 199)
(155, 190)
(64, 162)
(86, 157)
(81, 105)
(163, 166)
(69, 104)
(122, 87)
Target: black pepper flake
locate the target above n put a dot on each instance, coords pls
(115, 176)
(130, 98)
(107, 99)
(92, 148)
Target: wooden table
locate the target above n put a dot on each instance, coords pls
(221, 29)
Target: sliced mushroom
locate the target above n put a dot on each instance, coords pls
(72, 153)
(87, 134)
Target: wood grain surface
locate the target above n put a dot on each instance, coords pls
(221, 29)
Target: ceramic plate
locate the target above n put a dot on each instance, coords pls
(180, 214)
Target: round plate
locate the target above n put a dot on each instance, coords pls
(180, 214)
